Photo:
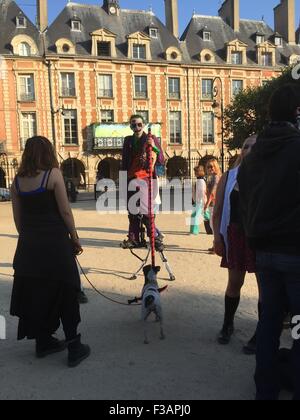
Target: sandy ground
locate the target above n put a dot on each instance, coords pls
(188, 365)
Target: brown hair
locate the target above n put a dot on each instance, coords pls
(38, 156)
(200, 169)
(215, 165)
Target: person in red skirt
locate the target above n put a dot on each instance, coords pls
(230, 244)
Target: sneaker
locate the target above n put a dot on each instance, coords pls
(82, 298)
(47, 346)
(250, 348)
(159, 245)
(225, 335)
(129, 244)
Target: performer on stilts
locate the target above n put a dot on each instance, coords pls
(136, 164)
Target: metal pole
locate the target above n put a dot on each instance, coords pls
(189, 124)
(218, 78)
(53, 112)
(222, 117)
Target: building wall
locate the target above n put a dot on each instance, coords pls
(89, 105)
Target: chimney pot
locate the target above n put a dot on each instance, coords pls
(230, 13)
(285, 15)
(172, 23)
(42, 15)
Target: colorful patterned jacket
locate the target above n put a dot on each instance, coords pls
(128, 152)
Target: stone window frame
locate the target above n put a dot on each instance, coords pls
(19, 39)
(68, 116)
(236, 46)
(77, 21)
(24, 96)
(204, 53)
(204, 113)
(153, 33)
(266, 47)
(170, 54)
(67, 93)
(61, 42)
(278, 41)
(208, 34)
(139, 38)
(18, 25)
(260, 39)
(112, 78)
(103, 35)
(22, 114)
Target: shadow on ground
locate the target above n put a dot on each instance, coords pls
(188, 365)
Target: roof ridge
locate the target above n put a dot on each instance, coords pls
(95, 6)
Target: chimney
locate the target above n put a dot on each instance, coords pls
(285, 16)
(42, 14)
(298, 36)
(172, 23)
(230, 13)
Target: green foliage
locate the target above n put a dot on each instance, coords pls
(248, 114)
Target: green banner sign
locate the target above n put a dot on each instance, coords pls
(111, 136)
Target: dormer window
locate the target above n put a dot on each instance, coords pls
(278, 41)
(104, 49)
(76, 25)
(139, 46)
(66, 48)
(206, 36)
(260, 39)
(267, 59)
(21, 22)
(236, 52)
(24, 49)
(153, 32)
(237, 57)
(139, 52)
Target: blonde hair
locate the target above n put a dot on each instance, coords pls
(216, 166)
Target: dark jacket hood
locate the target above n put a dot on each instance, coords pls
(274, 138)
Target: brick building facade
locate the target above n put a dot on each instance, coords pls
(102, 63)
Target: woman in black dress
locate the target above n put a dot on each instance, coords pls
(46, 279)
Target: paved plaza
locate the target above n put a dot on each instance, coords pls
(188, 365)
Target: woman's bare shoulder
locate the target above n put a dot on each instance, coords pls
(56, 173)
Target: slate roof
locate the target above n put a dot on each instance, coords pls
(222, 33)
(95, 17)
(9, 10)
(130, 21)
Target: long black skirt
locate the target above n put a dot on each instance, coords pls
(42, 304)
(46, 284)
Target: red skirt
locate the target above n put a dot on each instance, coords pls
(240, 256)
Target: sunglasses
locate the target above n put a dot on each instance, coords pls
(136, 125)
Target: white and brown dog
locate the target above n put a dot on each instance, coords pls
(151, 302)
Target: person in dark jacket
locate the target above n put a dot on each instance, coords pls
(134, 162)
(269, 182)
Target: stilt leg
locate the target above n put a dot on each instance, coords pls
(167, 265)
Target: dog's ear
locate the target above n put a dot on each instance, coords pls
(157, 270)
(147, 269)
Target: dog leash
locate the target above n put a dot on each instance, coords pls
(102, 294)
